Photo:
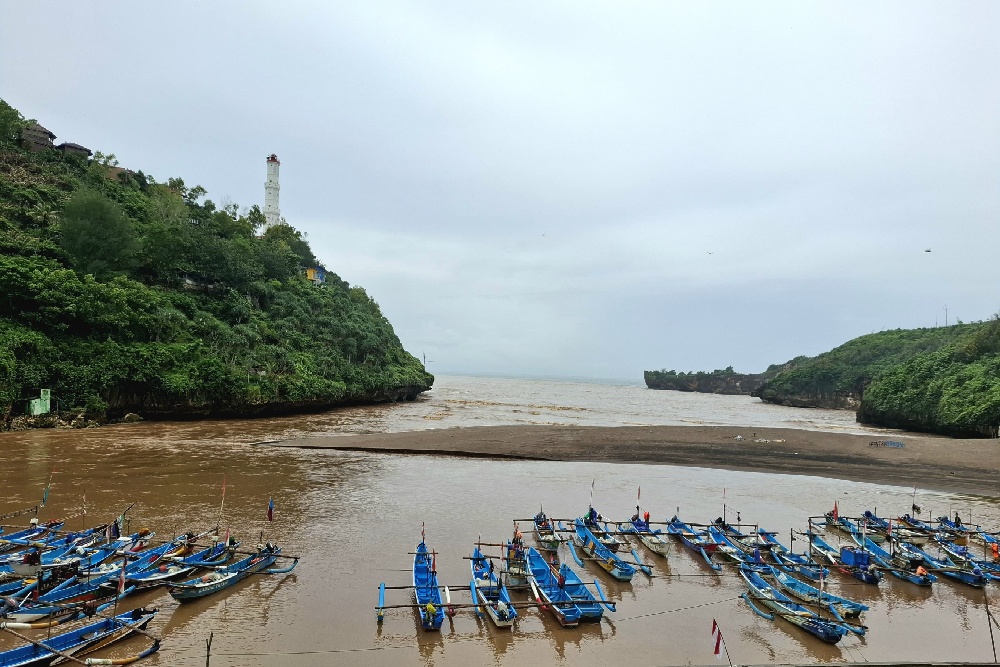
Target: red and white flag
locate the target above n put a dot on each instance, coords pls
(836, 512)
(717, 640)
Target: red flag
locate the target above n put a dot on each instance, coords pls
(717, 636)
(638, 494)
(270, 509)
(223, 487)
(836, 512)
(889, 529)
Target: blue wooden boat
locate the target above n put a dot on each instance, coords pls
(545, 533)
(81, 641)
(651, 539)
(858, 564)
(426, 589)
(790, 561)
(600, 530)
(591, 608)
(762, 593)
(962, 557)
(38, 532)
(697, 541)
(489, 593)
(971, 576)
(897, 565)
(840, 606)
(224, 576)
(604, 557)
(168, 568)
(726, 546)
(547, 591)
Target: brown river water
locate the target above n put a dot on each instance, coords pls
(353, 517)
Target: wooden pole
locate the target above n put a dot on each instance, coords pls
(208, 649)
(989, 618)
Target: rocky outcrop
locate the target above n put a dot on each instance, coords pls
(707, 383)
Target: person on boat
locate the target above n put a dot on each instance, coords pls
(995, 548)
(491, 568)
(958, 520)
(562, 580)
(635, 517)
(33, 557)
(431, 611)
(921, 571)
(645, 517)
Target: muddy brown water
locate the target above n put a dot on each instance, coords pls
(353, 517)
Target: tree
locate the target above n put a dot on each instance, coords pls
(97, 236)
(293, 239)
(11, 124)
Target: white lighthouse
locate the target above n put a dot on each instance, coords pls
(271, 212)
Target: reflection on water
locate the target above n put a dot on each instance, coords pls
(353, 518)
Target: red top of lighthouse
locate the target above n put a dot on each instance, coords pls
(273, 158)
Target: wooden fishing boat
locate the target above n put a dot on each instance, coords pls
(168, 568)
(956, 531)
(591, 608)
(852, 562)
(600, 530)
(515, 567)
(651, 539)
(907, 569)
(725, 546)
(37, 532)
(965, 573)
(842, 607)
(81, 641)
(790, 561)
(426, 589)
(224, 576)
(779, 604)
(489, 593)
(877, 525)
(604, 557)
(545, 533)
(546, 588)
(962, 557)
(697, 541)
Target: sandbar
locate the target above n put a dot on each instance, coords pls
(953, 465)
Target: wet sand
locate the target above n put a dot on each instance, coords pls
(927, 462)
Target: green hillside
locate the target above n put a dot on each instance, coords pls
(125, 294)
(838, 378)
(954, 390)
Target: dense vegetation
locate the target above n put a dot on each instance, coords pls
(839, 378)
(123, 294)
(721, 381)
(953, 390)
(942, 380)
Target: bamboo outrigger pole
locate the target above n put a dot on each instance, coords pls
(67, 656)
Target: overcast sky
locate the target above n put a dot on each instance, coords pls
(578, 189)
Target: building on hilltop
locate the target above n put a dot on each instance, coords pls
(74, 149)
(271, 212)
(316, 274)
(37, 138)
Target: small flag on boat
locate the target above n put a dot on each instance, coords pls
(638, 494)
(270, 509)
(717, 636)
(223, 487)
(84, 504)
(423, 538)
(45, 493)
(836, 512)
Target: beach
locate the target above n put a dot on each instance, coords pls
(969, 466)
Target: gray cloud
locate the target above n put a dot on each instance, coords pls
(571, 188)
